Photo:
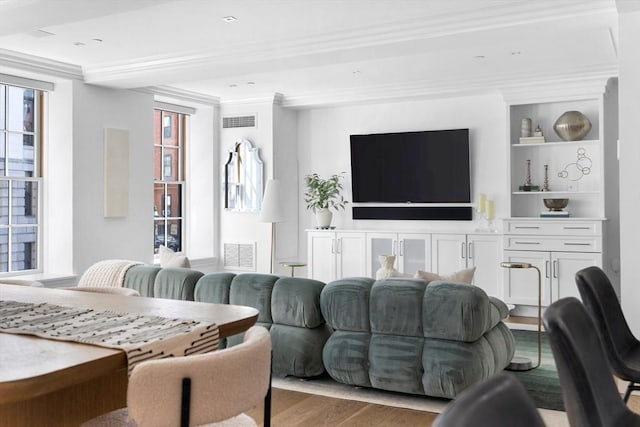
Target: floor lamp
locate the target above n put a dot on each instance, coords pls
(272, 211)
(519, 363)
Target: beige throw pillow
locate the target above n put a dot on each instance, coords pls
(169, 258)
(462, 276)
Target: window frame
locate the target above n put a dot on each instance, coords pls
(161, 179)
(37, 178)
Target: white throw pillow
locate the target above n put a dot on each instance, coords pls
(462, 276)
(169, 258)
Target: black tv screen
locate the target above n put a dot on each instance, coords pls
(411, 167)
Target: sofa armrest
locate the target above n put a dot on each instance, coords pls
(455, 311)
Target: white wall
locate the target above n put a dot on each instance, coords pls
(323, 144)
(202, 179)
(95, 237)
(629, 36)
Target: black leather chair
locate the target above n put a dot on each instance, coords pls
(500, 401)
(590, 394)
(621, 346)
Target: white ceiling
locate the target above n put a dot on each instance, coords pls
(318, 51)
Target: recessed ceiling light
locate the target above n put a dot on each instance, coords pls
(78, 44)
(479, 56)
(356, 72)
(229, 18)
(251, 83)
(97, 40)
(514, 53)
(233, 85)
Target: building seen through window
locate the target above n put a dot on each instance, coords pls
(20, 181)
(168, 187)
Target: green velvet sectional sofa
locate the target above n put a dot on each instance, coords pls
(403, 335)
(411, 336)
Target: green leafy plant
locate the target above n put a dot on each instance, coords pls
(324, 193)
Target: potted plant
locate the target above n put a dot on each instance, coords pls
(323, 195)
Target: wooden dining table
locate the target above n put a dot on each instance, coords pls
(45, 382)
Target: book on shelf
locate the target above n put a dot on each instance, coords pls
(531, 139)
(554, 214)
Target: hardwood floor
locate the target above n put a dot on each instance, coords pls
(295, 409)
(291, 409)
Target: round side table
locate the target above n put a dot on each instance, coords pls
(293, 265)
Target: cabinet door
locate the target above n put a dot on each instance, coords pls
(484, 252)
(449, 253)
(521, 284)
(414, 253)
(350, 255)
(564, 266)
(322, 259)
(379, 244)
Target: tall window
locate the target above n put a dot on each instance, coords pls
(168, 176)
(20, 181)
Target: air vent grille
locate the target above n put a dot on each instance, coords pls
(239, 122)
(240, 256)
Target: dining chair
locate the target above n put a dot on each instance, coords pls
(199, 390)
(589, 391)
(499, 401)
(621, 346)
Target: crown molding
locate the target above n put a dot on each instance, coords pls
(182, 94)
(40, 65)
(538, 87)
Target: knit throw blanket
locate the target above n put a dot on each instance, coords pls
(108, 273)
(141, 337)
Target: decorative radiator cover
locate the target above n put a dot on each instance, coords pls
(240, 256)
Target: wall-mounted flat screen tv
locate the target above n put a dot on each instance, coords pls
(426, 167)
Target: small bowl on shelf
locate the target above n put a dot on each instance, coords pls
(556, 204)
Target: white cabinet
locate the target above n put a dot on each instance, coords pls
(557, 270)
(454, 252)
(335, 254)
(412, 251)
(559, 248)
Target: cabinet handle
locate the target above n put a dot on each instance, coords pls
(470, 250)
(394, 247)
(333, 246)
(555, 269)
(401, 247)
(526, 227)
(339, 245)
(546, 269)
(527, 243)
(566, 227)
(576, 244)
(462, 247)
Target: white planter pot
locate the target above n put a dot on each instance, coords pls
(323, 218)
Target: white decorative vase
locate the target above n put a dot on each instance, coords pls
(323, 218)
(386, 269)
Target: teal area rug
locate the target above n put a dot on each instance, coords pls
(541, 383)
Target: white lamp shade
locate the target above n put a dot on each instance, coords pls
(272, 206)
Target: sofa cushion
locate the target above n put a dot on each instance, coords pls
(462, 276)
(170, 258)
(254, 290)
(296, 302)
(345, 304)
(176, 283)
(214, 288)
(396, 363)
(346, 357)
(141, 278)
(455, 311)
(396, 307)
(298, 351)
